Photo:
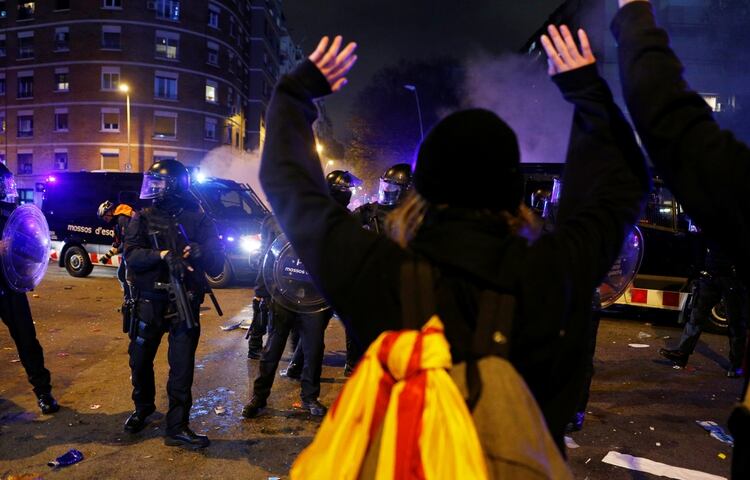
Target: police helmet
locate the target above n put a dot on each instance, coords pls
(342, 180)
(105, 209)
(8, 190)
(165, 178)
(540, 200)
(394, 183)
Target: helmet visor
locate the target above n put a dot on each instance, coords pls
(9, 191)
(153, 186)
(389, 193)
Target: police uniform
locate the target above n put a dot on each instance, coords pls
(16, 314)
(156, 314)
(269, 231)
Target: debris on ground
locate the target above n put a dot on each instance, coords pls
(716, 431)
(570, 443)
(230, 327)
(722, 456)
(73, 456)
(34, 295)
(643, 335)
(94, 406)
(645, 465)
(220, 410)
(638, 345)
(62, 354)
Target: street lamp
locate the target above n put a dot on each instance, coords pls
(124, 88)
(413, 88)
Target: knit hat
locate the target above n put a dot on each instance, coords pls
(470, 159)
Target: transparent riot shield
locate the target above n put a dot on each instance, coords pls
(624, 269)
(24, 248)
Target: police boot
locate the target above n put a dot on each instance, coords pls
(677, 356)
(293, 371)
(348, 370)
(254, 348)
(47, 403)
(254, 408)
(315, 408)
(137, 420)
(186, 438)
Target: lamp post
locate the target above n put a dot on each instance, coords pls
(124, 88)
(413, 88)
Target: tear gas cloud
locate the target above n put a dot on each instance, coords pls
(519, 90)
(234, 164)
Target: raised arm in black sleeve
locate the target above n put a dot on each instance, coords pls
(706, 168)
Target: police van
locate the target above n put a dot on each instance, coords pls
(80, 238)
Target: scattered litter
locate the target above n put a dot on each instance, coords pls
(297, 404)
(716, 431)
(722, 456)
(7, 348)
(73, 456)
(15, 360)
(220, 410)
(667, 337)
(640, 464)
(570, 443)
(638, 345)
(34, 295)
(677, 367)
(643, 335)
(658, 444)
(95, 406)
(148, 456)
(233, 326)
(63, 354)
(274, 478)
(587, 461)
(647, 324)
(68, 287)
(651, 428)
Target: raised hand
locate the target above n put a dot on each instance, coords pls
(334, 65)
(562, 52)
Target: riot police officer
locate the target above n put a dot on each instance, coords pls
(16, 314)
(121, 215)
(168, 248)
(394, 183)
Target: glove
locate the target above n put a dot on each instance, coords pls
(176, 264)
(196, 252)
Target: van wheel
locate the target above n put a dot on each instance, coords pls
(223, 279)
(718, 321)
(77, 262)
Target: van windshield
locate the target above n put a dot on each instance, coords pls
(227, 202)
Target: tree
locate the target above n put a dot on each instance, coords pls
(384, 120)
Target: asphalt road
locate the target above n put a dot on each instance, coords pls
(639, 405)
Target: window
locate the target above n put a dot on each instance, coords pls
(2, 123)
(25, 10)
(167, 9)
(61, 80)
(25, 124)
(3, 9)
(213, 15)
(165, 85)
(167, 44)
(62, 39)
(3, 50)
(25, 85)
(62, 4)
(61, 119)
(209, 129)
(212, 91)
(61, 159)
(110, 78)
(213, 53)
(111, 37)
(25, 44)
(26, 195)
(112, 4)
(110, 119)
(110, 158)
(2, 84)
(25, 161)
(165, 125)
(231, 62)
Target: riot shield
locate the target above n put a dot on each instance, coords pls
(24, 248)
(624, 269)
(288, 281)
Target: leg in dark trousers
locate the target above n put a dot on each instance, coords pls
(312, 330)
(258, 327)
(181, 355)
(281, 321)
(708, 295)
(142, 350)
(353, 352)
(734, 299)
(16, 314)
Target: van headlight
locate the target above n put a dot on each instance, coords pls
(250, 243)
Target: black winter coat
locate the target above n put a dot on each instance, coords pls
(553, 279)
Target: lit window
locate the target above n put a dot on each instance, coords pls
(25, 124)
(110, 78)
(26, 45)
(165, 125)
(167, 44)
(62, 39)
(61, 119)
(209, 129)
(213, 15)
(111, 3)
(26, 195)
(213, 53)
(110, 120)
(165, 85)
(212, 89)
(2, 123)
(167, 9)
(25, 10)
(61, 80)
(61, 160)
(111, 37)
(25, 86)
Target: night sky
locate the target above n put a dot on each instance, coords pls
(388, 30)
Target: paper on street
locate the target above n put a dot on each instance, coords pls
(640, 464)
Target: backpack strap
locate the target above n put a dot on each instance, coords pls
(417, 293)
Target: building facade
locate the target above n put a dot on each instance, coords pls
(198, 75)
